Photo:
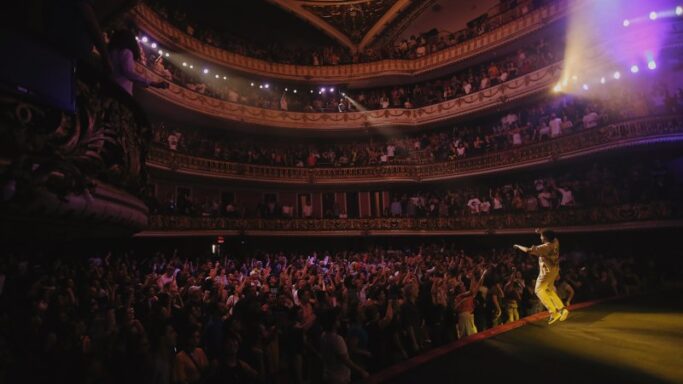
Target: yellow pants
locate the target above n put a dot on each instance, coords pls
(513, 312)
(466, 325)
(545, 290)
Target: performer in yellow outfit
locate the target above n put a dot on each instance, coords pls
(548, 255)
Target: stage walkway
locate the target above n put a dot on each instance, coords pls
(636, 340)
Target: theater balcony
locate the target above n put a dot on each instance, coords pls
(646, 134)
(656, 214)
(71, 173)
(510, 25)
(178, 99)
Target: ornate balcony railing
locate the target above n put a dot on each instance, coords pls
(162, 30)
(614, 136)
(533, 82)
(80, 168)
(653, 214)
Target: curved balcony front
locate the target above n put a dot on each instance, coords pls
(659, 214)
(640, 132)
(163, 31)
(532, 83)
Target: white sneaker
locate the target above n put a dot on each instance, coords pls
(564, 313)
(554, 317)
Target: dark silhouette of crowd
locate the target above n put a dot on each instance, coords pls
(280, 316)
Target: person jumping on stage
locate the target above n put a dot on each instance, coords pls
(548, 255)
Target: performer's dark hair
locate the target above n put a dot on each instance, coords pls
(549, 234)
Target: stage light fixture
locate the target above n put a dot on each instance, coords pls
(602, 80)
(206, 70)
(331, 89)
(585, 87)
(266, 86)
(557, 88)
(322, 90)
(626, 23)
(260, 86)
(653, 15)
(137, 38)
(634, 69)
(679, 10)
(617, 75)
(184, 64)
(161, 52)
(145, 39)
(295, 91)
(167, 54)
(217, 76)
(225, 77)
(652, 65)
(252, 84)
(191, 66)
(311, 91)
(154, 45)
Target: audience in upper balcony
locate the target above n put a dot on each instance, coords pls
(409, 48)
(462, 83)
(543, 121)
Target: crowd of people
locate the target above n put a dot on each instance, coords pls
(546, 120)
(409, 48)
(603, 185)
(464, 82)
(272, 316)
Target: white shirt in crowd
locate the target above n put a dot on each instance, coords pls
(555, 127)
(474, 204)
(590, 120)
(567, 197)
(391, 150)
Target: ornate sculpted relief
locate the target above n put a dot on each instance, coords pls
(354, 19)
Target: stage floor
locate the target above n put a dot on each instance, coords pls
(625, 341)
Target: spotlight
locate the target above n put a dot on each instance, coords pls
(311, 91)
(260, 86)
(154, 45)
(557, 88)
(617, 75)
(653, 15)
(286, 89)
(679, 10)
(602, 80)
(266, 86)
(167, 54)
(295, 91)
(652, 65)
(634, 69)
(206, 70)
(626, 23)
(252, 84)
(145, 39)
(331, 89)
(184, 64)
(191, 66)
(137, 38)
(322, 90)
(217, 76)
(343, 94)
(585, 87)
(161, 52)
(225, 77)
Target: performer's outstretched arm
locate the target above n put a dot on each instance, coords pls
(522, 248)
